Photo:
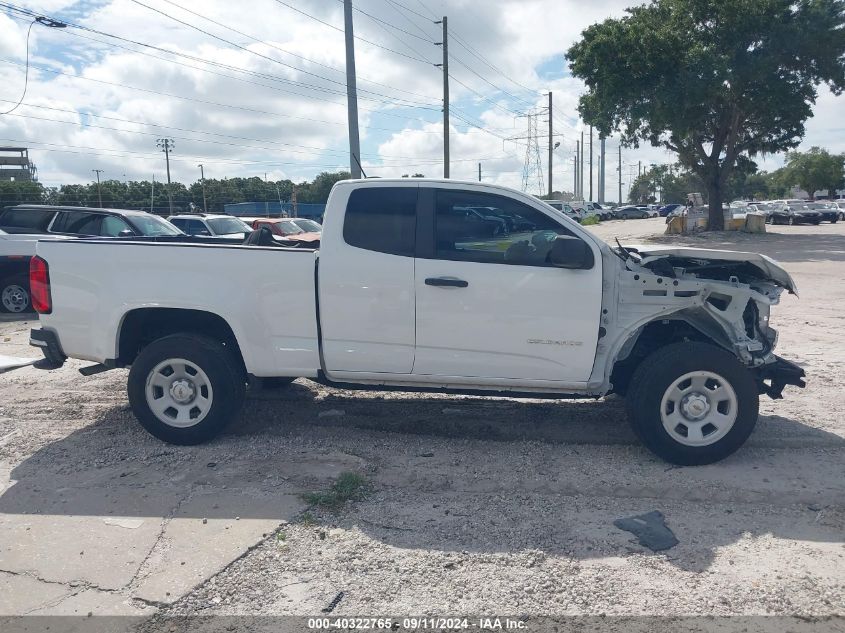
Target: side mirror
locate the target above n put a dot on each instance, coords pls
(572, 253)
(203, 233)
(126, 233)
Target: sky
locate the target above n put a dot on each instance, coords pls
(258, 87)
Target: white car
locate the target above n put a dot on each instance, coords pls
(211, 225)
(404, 292)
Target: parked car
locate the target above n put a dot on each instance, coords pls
(211, 225)
(83, 221)
(667, 209)
(565, 209)
(793, 212)
(287, 228)
(829, 211)
(840, 204)
(558, 312)
(631, 211)
(23, 225)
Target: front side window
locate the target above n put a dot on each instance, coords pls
(195, 227)
(483, 227)
(382, 219)
(112, 226)
(153, 226)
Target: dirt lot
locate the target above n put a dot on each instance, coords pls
(473, 505)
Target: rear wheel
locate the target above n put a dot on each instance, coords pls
(185, 388)
(692, 403)
(14, 294)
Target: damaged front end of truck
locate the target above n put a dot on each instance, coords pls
(724, 297)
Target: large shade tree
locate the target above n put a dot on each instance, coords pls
(816, 169)
(709, 80)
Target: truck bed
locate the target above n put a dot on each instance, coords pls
(94, 285)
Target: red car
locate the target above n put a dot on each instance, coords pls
(287, 228)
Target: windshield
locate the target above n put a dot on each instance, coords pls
(308, 225)
(153, 226)
(225, 226)
(288, 227)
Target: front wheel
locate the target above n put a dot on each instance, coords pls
(14, 295)
(692, 403)
(185, 388)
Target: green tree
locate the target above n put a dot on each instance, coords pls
(816, 169)
(711, 81)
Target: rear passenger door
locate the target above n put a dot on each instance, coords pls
(366, 280)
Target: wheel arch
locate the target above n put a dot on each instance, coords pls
(142, 326)
(661, 332)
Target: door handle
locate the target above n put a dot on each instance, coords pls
(446, 282)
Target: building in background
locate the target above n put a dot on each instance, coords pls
(15, 165)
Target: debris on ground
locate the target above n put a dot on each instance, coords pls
(650, 529)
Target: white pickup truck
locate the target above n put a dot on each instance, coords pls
(413, 289)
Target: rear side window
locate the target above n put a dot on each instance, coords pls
(382, 219)
(77, 223)
(34, 219)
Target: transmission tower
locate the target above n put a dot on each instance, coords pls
(532, 171)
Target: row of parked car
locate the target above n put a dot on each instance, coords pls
(579, 211)
(790, 211)
(21, 226)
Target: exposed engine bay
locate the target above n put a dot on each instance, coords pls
(726, 296)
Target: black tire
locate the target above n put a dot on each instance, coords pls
(221, 367)
(658, 372)
(15, 296)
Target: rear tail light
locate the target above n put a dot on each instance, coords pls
(39, 285)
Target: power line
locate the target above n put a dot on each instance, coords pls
(182, 97)
(257, 54)
(278, 48)
(427, 40)
(366, 41)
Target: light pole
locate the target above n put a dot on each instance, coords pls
(202, 180)
(99, 192)
(166, 145)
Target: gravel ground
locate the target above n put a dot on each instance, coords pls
(471, 505)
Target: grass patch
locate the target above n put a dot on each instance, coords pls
(347, 487)
(590, 220)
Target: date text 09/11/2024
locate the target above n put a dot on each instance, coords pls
(419, 623)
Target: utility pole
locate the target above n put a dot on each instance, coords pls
(202, 180)
(619, 169)
(575, 172)
(445, 67)
(166, 145)
(591, 162)
(479, 172)
(577, 154)
(152, 194)
(99, 192)
(581, 172)
(639, 169)
(601, 169)
(551, 145)
(351, 92)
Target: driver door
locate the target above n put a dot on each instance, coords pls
(492, 306)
